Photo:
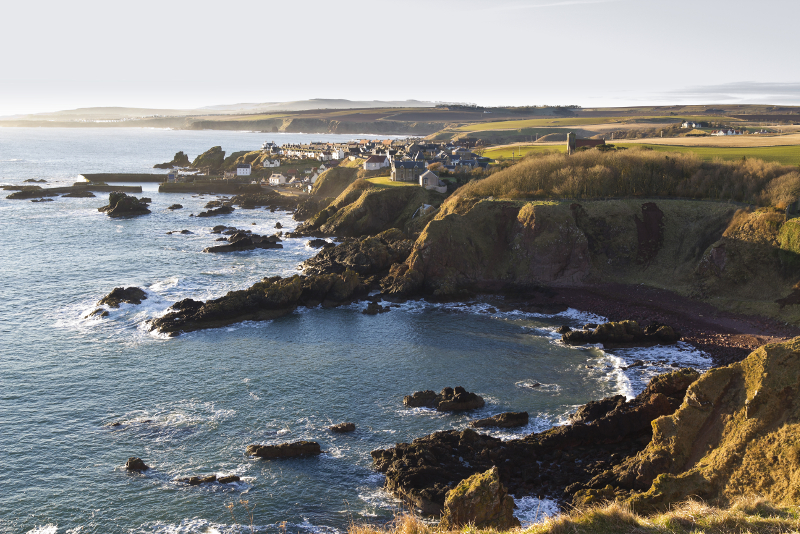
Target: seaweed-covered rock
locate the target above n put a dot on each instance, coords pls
(118, 295)
(266, 300)
(449, 400)
(222, 210)
(480, 501)
(285, 450)
(622, 333)
(136, 465)
(343, 427)
(122, 205)
(502, 420)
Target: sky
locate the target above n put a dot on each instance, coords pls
(180, 54)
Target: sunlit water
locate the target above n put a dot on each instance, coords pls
(190, 405)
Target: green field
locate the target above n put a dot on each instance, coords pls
(506, 152)
(787, 155)
(584, 121)
(386, 181)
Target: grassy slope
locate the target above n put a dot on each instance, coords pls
(504, 152)
(385, 181)
(747, 515)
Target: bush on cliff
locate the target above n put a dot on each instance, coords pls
(640, 173)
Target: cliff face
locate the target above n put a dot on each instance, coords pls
(740, 260)
(737, 432)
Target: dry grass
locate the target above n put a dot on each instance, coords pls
(636, 173)
(751, 515)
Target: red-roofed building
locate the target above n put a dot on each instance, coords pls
(376, 162)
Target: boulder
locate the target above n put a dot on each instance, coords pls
(373, 308)
(285, 450)
(480, 502)
(136, 464)
(503, 420)
(175, 207)
(223, 210)
(343, 427)
(179, 160)
(318, 243)
(196, 481)
(98, 312)
(131, 295)
(449, 400)
(241, 240)
(122, 205)
(563, 329)
(79, 194)
(278, 225)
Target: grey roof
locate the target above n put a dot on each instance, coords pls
(406, 164)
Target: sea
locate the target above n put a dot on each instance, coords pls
(80, 394)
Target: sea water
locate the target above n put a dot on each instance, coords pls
(190, 405)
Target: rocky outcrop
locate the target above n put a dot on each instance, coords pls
(554, 463)
(266, 300)
(180, 160)
(136, 465)
(271, 199)
(366, 256)
(208, 479)
(343, 427)
(222, 210)
(373, 308)
(210, 160)
(735, 433)
(118, 295)
(449, 400)
(481, 502)
(79, 194)
(623, 333)
(502, 420)
(33, 191)
(241, 240)
(175, 207)
(122, 205)
(285, 450)
(319, 243)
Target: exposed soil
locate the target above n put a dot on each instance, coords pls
(725, 337)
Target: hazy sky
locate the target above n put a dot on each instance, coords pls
(63, 55)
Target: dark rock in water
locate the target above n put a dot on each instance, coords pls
(594, 410)
(221, 239)
(131, 295)
(563, 329)
(373, 308)
(136, 464)
(179, 160)
(42, 200)
(228, 479)
(186, 232)
(35, 181)
(555, 463)
(265, 300)
(343, 427)
(622, 333)
(503, 420)
(218, 229)
(215, 204)
(79, 194)
(146, 200)
(449, 400)
(278, 225)
(480, 502)
(590, 326)
(240, 240)
(31, 191)
(285, 450)
(264, 198)
(99, 311)
(196, 481)
(122, 205)
(367, 256)
(175, 207)
(318, 243)
(224, 210)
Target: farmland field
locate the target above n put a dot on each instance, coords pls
(505, 152)
(584, 121)
(787, 155)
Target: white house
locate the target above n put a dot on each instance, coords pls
(277, 179)
(376, 162)
(429, 180)
(690, 124)
(243, 169)
(270, 163)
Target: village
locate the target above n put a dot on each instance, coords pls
(409, 160)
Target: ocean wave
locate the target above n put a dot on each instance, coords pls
(45, 529)
(532, 510)
(533, 385)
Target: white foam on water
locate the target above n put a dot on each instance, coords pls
(532, 510)
(46, 529)
(535, 385)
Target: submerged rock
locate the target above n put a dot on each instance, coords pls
(318, 243)
(98, 312)
(503, 420)
(481, 501)
(285, 450)
(31, 191)
(79, 194)
(131, 295)
(122, 205)
(343, 427)
(449, 400)
(136, 464)
(373, 308)
(43, 200)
